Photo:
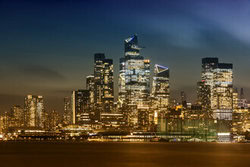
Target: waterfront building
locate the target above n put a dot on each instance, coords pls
(112, 121)
(217, 80)
(192, 124)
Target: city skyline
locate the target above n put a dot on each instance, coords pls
(124, 83)
(52, 59)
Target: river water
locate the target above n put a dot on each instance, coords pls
(53, 154)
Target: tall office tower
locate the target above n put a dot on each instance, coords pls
(79, 104)
(16, 116)
(207, 74)
(203, 95)
(103, 83)
(67, 112)
(108, 86)
(219, 78)
(34, 111)
(134, 79)
(222, 92)
(160, 87)
(40, 112)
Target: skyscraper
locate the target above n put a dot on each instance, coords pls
(134, 79)
(90, 85)
(16, 116)
(207, 74)
(218, 79)
(103, 83)
(34, 111)
(160, 86)
(79, 104)
(67, 114)
(222, 93)
(203, 95)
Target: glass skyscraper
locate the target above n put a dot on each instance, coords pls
(134, 80)
(103, 83)
(217, 80)
(160, 87)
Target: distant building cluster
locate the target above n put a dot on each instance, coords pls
(144, 103)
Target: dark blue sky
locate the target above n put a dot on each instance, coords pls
(47, 47)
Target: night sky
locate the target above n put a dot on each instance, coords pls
(47, 47)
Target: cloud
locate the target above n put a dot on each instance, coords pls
(218, 38)
(43, 73)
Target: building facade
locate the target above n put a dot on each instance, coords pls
(134, 80)
(161, 87)
(203, 95)
(34, 111)
(103, 83)
(217, 81)
(17, 116)
(222, 92)
(79, 104)
(67, 112)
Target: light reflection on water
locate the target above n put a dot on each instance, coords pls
(124, 154)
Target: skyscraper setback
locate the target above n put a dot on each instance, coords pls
(134, 80)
